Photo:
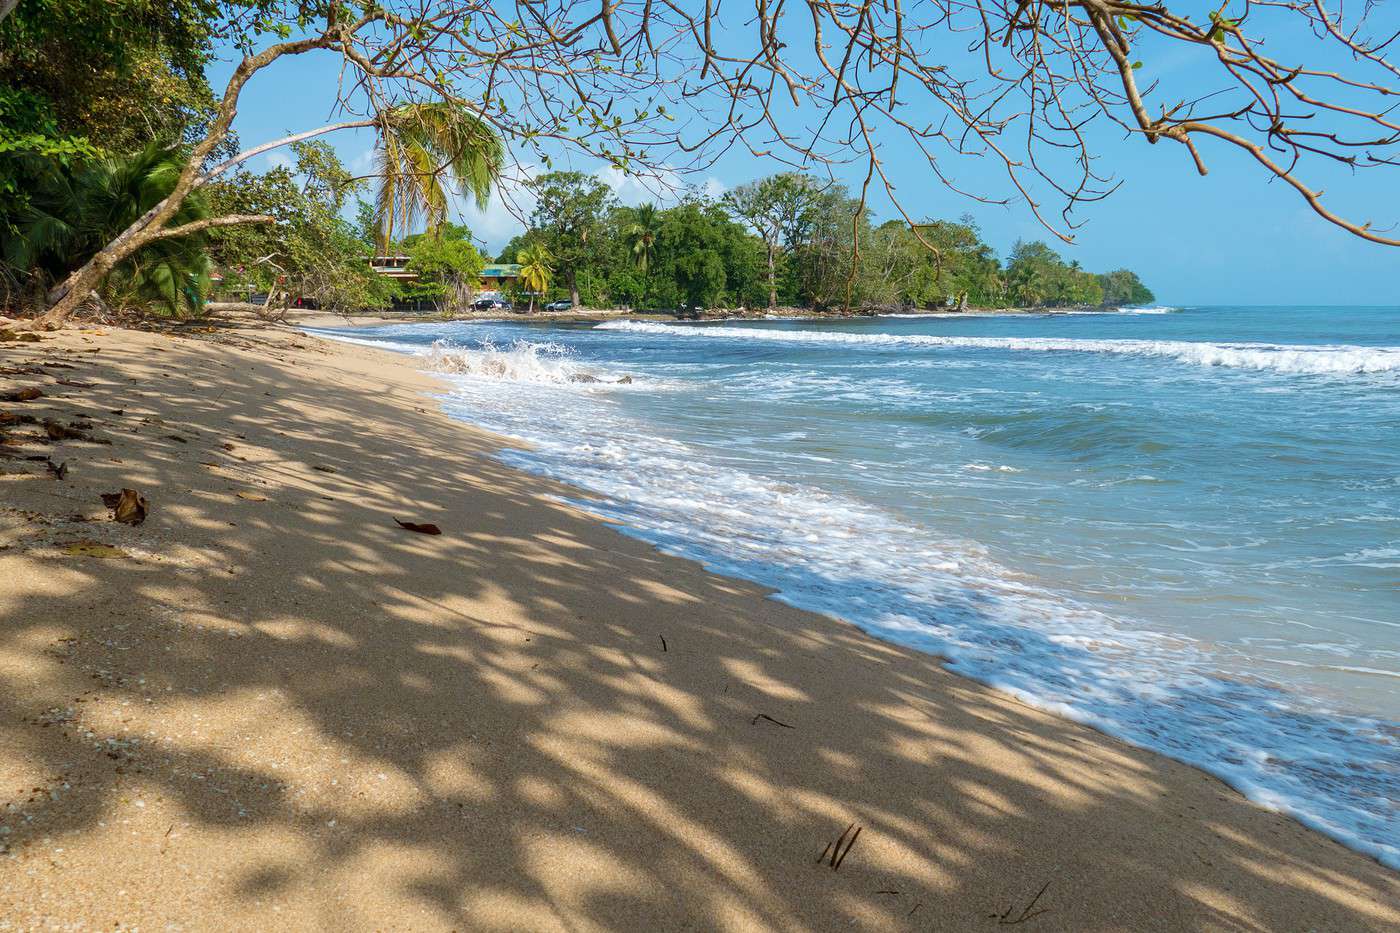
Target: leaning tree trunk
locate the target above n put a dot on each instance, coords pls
(65, 298)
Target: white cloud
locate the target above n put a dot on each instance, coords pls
(663, 186)
(712, 187)
(505, 215)
(363, 164)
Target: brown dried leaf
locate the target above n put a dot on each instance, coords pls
(252, 497)
(423, 528)
(27, 394)
(128, 506)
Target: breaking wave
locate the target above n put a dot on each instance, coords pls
(1282, 358)
(521, 361)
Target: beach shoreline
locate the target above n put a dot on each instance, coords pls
(334, 319)
(298, 714)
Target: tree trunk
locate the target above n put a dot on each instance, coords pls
(573, 287)
(65, 298)
(772, 280)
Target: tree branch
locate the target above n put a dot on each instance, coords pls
(195, 226)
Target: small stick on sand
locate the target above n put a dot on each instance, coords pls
(754, 721)
(837, 854)
(1026, 913)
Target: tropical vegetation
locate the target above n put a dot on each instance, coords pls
(107, 121)
(786, 240)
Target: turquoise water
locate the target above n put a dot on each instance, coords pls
(1179, 525)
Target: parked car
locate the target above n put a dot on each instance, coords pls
(563, 304)
(491, 304)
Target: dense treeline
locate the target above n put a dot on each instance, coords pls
(786, 240)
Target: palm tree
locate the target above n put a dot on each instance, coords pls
(535, 270)
(70, 212)
(421, 145)
(641, 233)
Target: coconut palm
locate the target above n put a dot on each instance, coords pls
(536, 269)
(641, 234)
(421, 146)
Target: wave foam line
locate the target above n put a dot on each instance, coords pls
(1283, 358)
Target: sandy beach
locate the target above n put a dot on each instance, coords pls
(269, 706)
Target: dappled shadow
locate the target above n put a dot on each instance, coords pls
(284, 710)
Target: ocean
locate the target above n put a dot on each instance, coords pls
(1178, 525)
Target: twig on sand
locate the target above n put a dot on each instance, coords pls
(834, 854)
(754, 721)
(663, 642)
(1027, 912)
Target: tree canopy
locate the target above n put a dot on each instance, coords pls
(665, 89)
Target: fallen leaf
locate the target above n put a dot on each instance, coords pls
(324, 469)
(27, 394)
(57, 431)
(423, 528)
(128, 506)
(94, 549)
(59, 471)
(252, 497)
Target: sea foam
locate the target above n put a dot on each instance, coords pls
(1283, 358)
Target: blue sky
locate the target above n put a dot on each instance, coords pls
(1230, 237)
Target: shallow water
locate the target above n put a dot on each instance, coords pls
(1181, 526)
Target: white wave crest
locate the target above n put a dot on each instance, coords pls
(1283, 358)
(521, 361)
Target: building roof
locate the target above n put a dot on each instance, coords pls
(500, 270)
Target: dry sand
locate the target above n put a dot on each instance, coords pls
(279, 710)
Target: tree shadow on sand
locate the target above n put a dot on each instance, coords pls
(530, 722)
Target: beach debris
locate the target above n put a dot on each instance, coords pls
(663, 642)
(89, 548)
(754, 721)
(128, 506)
(423, 528)
(1027, 912)
(27, 394)
(176, 437)
(60, 471)
(76, 384)
(58, 431)
(323, 468)
(19, 336)
(834, 854)
(252, 497)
